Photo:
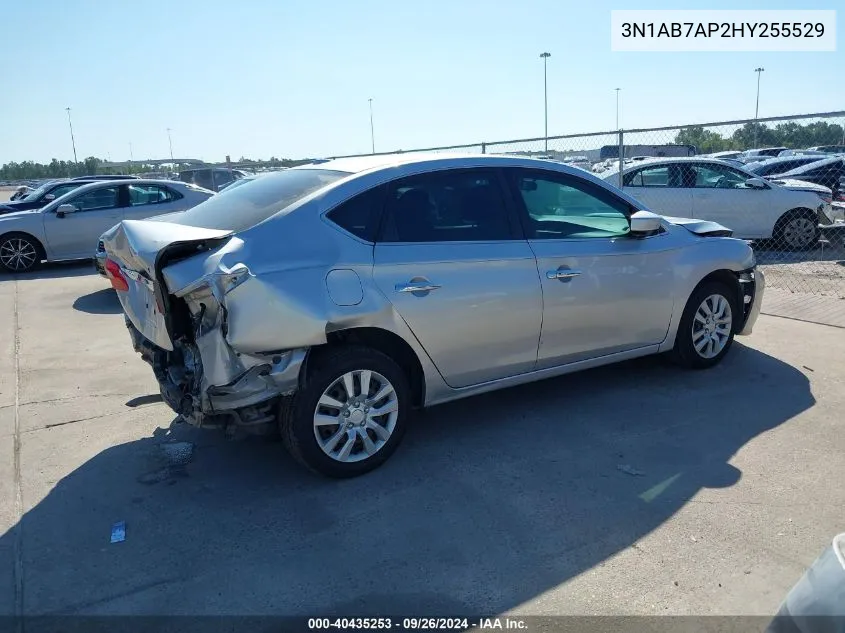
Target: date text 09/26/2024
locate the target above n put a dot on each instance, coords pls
(416, 624)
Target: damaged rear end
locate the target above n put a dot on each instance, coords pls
(174, 291)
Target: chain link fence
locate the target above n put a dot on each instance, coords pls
(777, 182)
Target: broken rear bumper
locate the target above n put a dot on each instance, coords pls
(244, 396)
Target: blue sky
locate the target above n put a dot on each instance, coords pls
(292, 79)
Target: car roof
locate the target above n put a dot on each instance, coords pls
(357, 164)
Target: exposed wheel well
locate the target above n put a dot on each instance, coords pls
(387, 343)
(794, 212)
(727, 277)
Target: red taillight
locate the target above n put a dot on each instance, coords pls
(113, 272)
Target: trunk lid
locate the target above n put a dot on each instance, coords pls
(141, 248)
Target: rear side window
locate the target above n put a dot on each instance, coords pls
(461, 205)
(649, 177)
(360, 214)
(151, 194)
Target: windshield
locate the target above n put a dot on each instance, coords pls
(242, 207)
(34, 195)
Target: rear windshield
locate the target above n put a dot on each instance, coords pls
(239, 208)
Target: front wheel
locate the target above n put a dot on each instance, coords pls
(707, 326)
(350, 414)
(19, 253)
(797, 231)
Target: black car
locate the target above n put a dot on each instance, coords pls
(828, 172)
(780, 165)
(43, 196)
(212, 178)
(105, 177)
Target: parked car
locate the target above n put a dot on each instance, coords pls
(328, 300)
(829, 149)
(68, 227)
(752, 155)
(106, 177)
(211, 178)
(42, 196)
(802, 152)
(780, 165)
(708, 189)
(727, 154)
(817, 601)
(582, 162)
(829, 172)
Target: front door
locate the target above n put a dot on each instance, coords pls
(661, 188)
(74, 235)
(719, 194)
(604, 291)
(453, 264)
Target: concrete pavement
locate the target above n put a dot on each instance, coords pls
(509, 502)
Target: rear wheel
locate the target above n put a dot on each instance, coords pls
(706, 331)
(350, 415)
(19, 253)
(797, 231)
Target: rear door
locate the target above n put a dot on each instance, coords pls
(144, 201)
(74, 235)
(660, 187)
(604, 291)
(451, 259)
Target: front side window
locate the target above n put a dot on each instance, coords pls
(150, 194)
(103, 198)
(566, 208)
(717, 177)
(446, 206)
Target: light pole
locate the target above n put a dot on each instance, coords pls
(170, 143)
(131, 157)
(72, 141)
(545, 57)
(372, 130)
(617, 107)
(759, 72)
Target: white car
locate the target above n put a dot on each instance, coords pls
(706, 189)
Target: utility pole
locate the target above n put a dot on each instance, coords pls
(170, 143)
(72, 141)
(759, 72)
(617, 107)
(372, 130)
(545, 57)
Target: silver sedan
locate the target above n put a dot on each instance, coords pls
(69, 226)
(328, 300)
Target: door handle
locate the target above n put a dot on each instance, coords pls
(565, 273)
(416, 287)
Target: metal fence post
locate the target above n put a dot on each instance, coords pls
(483, 148)
(621, 156)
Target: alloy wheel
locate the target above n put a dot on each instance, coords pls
(711, 326)
(18, 254)
(356, 416)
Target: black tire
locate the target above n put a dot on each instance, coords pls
(18, 241)
(786, 237)
(296, 414)
(684, 352)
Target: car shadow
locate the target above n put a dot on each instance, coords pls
(103, 301)
(489, 502)
(54, 270)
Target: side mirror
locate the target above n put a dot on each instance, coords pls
(644, 222)
(64, 209)
(756, 183)
(49, 197)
